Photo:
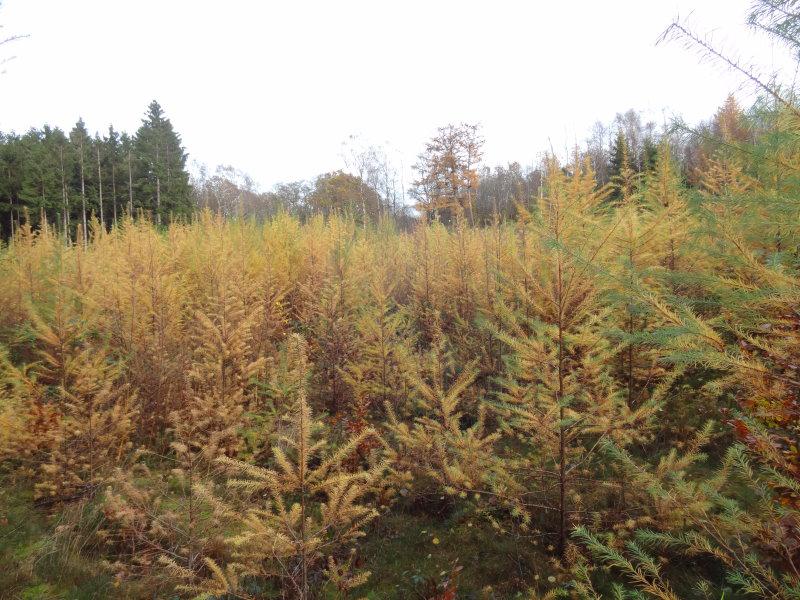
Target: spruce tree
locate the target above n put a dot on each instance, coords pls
(41, 184)
(11, 163)
(649, 154)
(127, 149)
(80, 141)
(113, 168)
(161, 177)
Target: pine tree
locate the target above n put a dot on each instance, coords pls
(650, 152)
(113, 169)
(30, 421)
(11, 182)
(148, 320)
(729, 123)
(41, 185)
(650, 211)
(739, 323)
(289, 374)
(426, 278)
(461, 284)
(666, 198)
(79, 138)
(161, 175)
(149, 517)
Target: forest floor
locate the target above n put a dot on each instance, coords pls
(411, 553)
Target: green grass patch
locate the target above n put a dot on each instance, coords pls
(36, 562)
(409, 554)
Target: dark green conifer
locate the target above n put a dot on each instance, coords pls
(162, 181)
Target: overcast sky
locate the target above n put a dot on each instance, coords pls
(274, 88)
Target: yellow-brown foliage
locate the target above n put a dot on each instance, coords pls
(493, 365)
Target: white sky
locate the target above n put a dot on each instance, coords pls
(274, 88)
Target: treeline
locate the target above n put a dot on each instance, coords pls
(232, 194)
(450, 173)
(73, 178)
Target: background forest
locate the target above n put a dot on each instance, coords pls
(576, 380)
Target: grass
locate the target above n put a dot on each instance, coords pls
(40, 560)
(412, 553)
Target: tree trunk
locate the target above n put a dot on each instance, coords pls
(158, 190)
(562, 458)
(83, 203)
(100, 189)
(130, 187)
(114, 192)
(302, 474)
(630, 359)
(11, 213)
(158, 200)
(64, 196)
(630, 333)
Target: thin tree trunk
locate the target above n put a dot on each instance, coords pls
(630, 333)
(11, 213)
(130, 187)
(158, 190)
(562, 450)
(671, 252)
(114, 192)
(402, 186)
(158, 200)
(562, 472)
(64, 196)
(191, 517)
(302, 474)
(630, 360)
(100, 189)
(83, 201)
(42, 216)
